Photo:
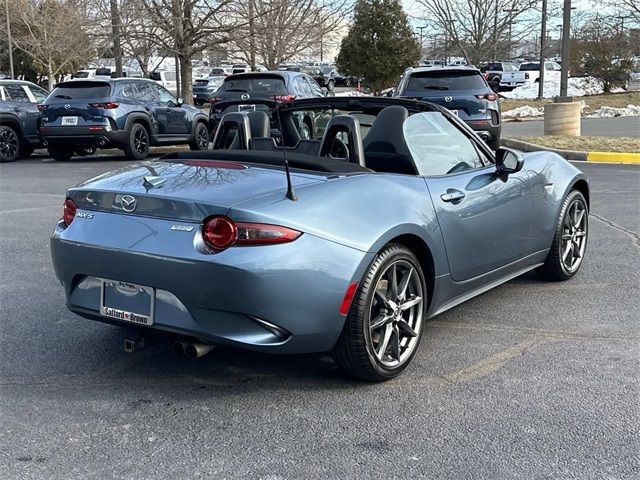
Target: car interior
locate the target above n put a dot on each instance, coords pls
(344, 146)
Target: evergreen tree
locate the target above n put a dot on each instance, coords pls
(379, 45)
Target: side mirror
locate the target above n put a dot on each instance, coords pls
(390, 93)
(508, 161)
(180, 101)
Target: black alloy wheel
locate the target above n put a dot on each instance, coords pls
(9, 144)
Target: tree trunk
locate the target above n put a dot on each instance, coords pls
(49, 77)
(115, 29)
(185, 78)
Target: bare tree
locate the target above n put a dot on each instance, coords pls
(278, 30)
(478, 28)
(187, 27)
(52, 33)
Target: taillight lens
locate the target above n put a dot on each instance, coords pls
(108, 105)
(69, 211)
(42, 107)
(213, 100)
(489, 96)
(222, 232)
(284, 98)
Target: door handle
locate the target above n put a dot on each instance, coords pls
(452, 195)
(17, 109)
(147, 108)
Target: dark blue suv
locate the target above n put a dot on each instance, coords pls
(18, 118)
(126, 113)
(461, 90)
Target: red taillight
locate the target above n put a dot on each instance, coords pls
(348, 298)
(526, 75)
(263, 234)
(108, 105)
(69, 211)
(222, 232)
(42, 107)
(284, 98)
(485, 75)
(213, 100)
(489, 96)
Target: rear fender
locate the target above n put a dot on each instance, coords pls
(143, 119)
(10, 120)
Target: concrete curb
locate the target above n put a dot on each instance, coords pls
(532, 147)
(601, 157)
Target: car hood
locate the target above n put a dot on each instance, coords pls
(186, 189)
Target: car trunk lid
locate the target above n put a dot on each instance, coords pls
(187, 190)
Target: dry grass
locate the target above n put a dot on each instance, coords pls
(586, 144)
(594, 102)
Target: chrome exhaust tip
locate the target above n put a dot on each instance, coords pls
(197, 350)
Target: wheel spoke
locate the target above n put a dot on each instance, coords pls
(404, 326)
(579, 219)
(381, 296)
(567, 249)
(414, 300)
(379, 321)
(404, 283)
(384, 343)
(581, 233)
(566, 236)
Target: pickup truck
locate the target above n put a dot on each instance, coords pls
(532, 70)
(503, 76)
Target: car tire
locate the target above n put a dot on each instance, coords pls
(61, 154)
(380, 338)
(200, 137)
(137, 147)
(569, 241)
(331, 85)
(9, 144)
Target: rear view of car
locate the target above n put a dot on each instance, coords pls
(463, 91)
(205, 88)
(82, 115)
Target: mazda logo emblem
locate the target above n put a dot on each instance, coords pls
(67, 106)
(244, 96)
(448, 99)
(128, 203)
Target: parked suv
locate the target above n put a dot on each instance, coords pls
(129, 114)
(237, 92)
(462, 90)
(204, 89)
(18, 118)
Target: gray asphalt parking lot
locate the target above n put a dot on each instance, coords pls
(530, 380)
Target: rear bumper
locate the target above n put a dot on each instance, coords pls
(221, 298)
(485, 128)
(82, 136)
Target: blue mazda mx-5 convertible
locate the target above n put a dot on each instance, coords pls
(387, 212)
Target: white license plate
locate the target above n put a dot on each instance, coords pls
(69, 121)
(127, 302)
(455, 112)
(246, 108)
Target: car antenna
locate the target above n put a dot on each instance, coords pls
(291, 195)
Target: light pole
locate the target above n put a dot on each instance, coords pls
(421, 28)
(566, 37)
(543, 36)
(9, 40)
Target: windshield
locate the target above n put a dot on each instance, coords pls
(445, 81)
(256, 85)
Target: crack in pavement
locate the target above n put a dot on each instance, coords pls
(632, 235)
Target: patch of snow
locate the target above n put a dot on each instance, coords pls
(577, 87)
(629, 111)
(522, 112)
(351, 93)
